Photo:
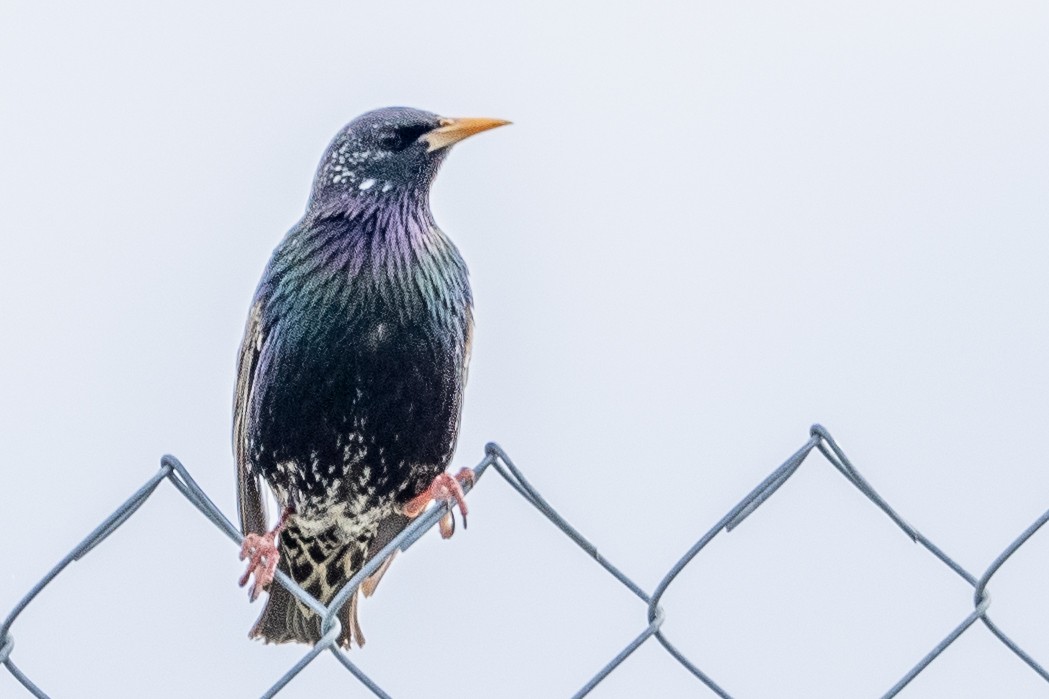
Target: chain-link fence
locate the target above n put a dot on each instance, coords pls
(173, 471)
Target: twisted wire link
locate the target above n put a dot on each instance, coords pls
(820, 440)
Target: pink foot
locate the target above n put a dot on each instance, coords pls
(261, 550)
(444, 488)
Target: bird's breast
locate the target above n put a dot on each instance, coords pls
(363, 393)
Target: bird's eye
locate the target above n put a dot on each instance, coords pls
(392, 141)
(402, 137)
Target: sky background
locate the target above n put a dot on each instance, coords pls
(710, 226)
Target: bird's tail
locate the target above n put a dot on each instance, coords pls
(321, 570)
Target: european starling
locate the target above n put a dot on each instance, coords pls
(351, 371)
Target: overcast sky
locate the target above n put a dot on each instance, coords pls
(711, 225)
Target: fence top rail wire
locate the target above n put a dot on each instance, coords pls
(173, 472)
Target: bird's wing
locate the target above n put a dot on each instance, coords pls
(250, 506)
(469, 345)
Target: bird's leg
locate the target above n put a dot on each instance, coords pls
(444, 488)
(261, 550)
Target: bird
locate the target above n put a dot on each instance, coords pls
(351, 372)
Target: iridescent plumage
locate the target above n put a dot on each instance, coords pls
(353, 362)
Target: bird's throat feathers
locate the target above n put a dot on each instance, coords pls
(386, 246)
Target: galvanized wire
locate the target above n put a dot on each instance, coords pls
(172, 470)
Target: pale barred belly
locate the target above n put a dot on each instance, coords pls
(329, 540)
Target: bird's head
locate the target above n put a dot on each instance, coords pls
(389, 151)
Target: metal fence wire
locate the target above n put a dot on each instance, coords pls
(820, 440)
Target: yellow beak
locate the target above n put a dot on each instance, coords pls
(454, 130)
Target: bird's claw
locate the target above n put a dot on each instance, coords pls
(445, 488)
(261, 552)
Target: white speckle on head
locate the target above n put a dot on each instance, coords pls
(366, 184)
(387, 186)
